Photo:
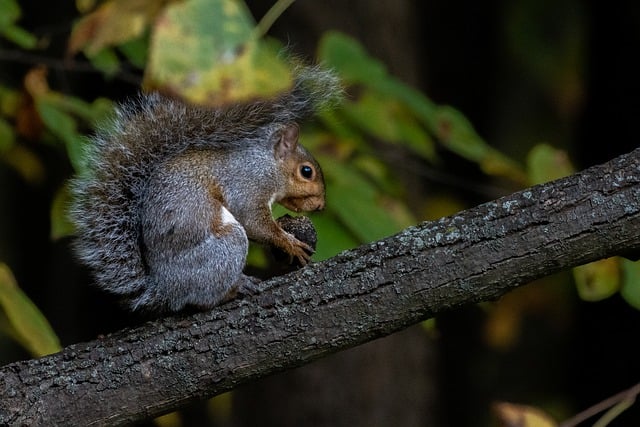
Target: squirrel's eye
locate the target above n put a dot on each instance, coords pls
(306, 171)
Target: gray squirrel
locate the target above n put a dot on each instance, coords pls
(172, 193)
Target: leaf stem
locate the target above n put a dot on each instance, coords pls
(612, 413)
(270, 17)
(625, 397)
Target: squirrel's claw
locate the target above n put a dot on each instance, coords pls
(248, 285)
(300, 251)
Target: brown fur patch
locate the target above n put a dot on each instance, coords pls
(218, 227)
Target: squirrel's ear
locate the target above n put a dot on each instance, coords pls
(287, 140)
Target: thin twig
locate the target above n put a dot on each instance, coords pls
(613, 413)
(23, 57)
(626, 395)
(271, 16)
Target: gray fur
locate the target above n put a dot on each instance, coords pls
(129, 184)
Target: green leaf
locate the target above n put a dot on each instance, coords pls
(9, 14)
(7, 136)
(333, 236)
(356, 66)
(598, 280)
(106, 61)
(358, 204)
(63, 125)
(89, 112)
(75, 151)
(630, 290)
(388, 109)
(10, 101)
(19, 36)
(136, 51)
(545, 163)
(59, 122)
(100, 109)
(206, 51)
(22, 320)
(456, 132)
(376, 170)
(448, 125)
(350, 59)
(385, 119)
(60, 224)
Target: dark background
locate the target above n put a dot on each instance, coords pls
(482, 58)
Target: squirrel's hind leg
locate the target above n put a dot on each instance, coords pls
(217, 264)
(246, 285)
(193, 262)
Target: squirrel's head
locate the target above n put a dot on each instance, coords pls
(304, 183)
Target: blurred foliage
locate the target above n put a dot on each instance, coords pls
(21, 320)
(10, 13)
(629, 286)
(510, 414)
(553, 53)
(380, 108)
(205, 51)
(211, 52)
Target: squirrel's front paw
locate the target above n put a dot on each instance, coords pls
(300, 251)
(299, 242)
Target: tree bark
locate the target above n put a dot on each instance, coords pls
(374, 290)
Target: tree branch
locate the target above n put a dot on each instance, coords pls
(476, 255)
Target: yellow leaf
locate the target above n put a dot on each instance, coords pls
(171, 419)
(206, 52)
(545, 163)
(85, 6)
(26, 163)
(503, 324)
(113, 23)
(24, 322)
(598, 280)
(35, 82)
(513, 415)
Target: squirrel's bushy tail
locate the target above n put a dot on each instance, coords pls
(142, 134)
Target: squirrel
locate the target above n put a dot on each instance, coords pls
(173, 192)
